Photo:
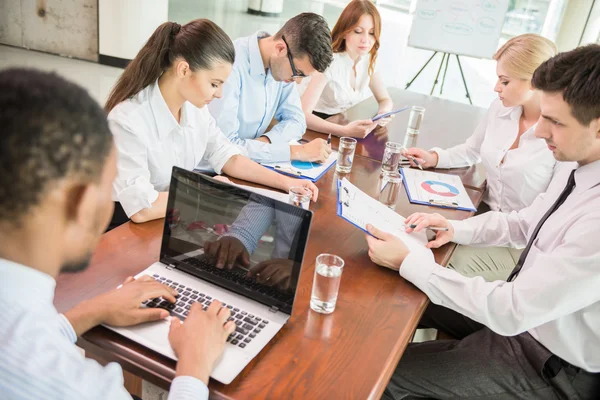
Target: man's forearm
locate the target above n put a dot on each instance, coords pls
(84, 317)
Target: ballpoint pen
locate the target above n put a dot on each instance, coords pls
(432, 228)
(288, 170)
(329, 139)
(413, 159)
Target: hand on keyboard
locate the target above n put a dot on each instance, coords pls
(200, 340)
(121, 307)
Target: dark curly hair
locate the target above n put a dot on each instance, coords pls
(308, 34)
(51, 129)
(575, 74)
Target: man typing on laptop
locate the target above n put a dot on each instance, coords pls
(58, 164)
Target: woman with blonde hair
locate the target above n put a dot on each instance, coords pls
(351, 77)
(518, 165)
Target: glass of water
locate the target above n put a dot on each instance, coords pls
(345, 155)
(391, 156)
(300, 196)
(415, 120)
(328, 274)
(389, 188)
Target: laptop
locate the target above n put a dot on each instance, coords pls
(204, 214)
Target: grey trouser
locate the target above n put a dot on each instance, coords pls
(491, 263)
(481, 364)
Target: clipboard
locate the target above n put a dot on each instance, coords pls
(343, 200)
(287, 168)
(449, 204)
(377, 214)
(387, 114)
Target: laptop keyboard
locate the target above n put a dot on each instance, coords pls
(248, 326)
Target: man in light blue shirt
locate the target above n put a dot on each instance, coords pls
(261, 88)
(58, 164)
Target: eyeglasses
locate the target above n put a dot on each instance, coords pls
(295, 73)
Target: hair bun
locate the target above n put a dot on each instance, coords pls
(175, 28)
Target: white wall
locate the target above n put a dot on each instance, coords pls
(572, 25)
(125, 25)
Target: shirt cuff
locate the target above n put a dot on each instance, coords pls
(188, 387)
(137, 197)
(443, 157)
(417, 268)
(67, 329)
(463, 232)
(279, 151)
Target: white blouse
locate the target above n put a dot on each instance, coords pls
(526, 171)
(150, 142)
(339, 95)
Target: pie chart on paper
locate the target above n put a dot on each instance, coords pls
(303, 165)
(440, 188)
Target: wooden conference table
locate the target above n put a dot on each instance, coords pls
(348, 354)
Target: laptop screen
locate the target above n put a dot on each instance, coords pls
(242, 241)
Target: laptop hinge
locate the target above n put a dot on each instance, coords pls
(273, 309)
(170, 267)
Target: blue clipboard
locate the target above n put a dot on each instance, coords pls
(339, 205)
(427, 203)
(300, 176)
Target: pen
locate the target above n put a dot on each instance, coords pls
(329, 139)
(432, 228)
(287, 169)
(413, 159)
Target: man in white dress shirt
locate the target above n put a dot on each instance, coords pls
(57, 164)
(537, 335)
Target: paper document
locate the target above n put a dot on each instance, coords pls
(304, 169)
(360, 209)
(436, 189)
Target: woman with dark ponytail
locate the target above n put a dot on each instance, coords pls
(158, 115)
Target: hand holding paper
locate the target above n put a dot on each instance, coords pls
(386, 249)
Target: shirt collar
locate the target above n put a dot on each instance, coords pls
(587, 176)
(25, 284)
(514, 113)
(346, 58)
(257, 67)
(165, 122)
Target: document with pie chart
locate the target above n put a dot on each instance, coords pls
(436, 189)
(304, 169)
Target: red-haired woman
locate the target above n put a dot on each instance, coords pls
(351, 77)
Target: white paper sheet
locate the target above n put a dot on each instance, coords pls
(361, 209)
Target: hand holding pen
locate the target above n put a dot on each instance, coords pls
(411, 158)
(435, 222)
(426, 159)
